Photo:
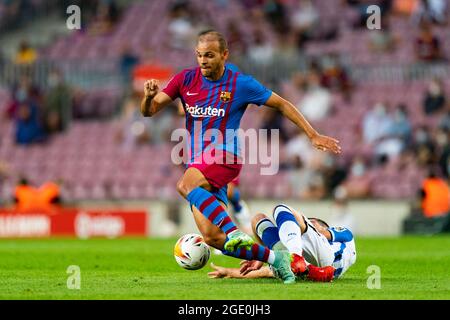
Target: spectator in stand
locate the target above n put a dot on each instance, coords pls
(28, 126)
(316, 102)
(133, 128)
(431, 11)
(106, 17)
(428, 46)
(376, 124)
(435, 195)
(405, 7)
(24, 91)
(57, 104)
(128, 60)
(424, 147)
(307, 165)
(261, 51)
(396, 137)
(286, 49)
(305, 20)
(275, 11)
(25, 55)
(334, 174)
(273, 120)
(30, 198)
(384, 40)
(19, 94)
(11, 108)
(401, 125)
(435, 99)
(357, 184)
(334, 76)
(299, 146)
(181, 26)
(306, 182)
(235, 38)
(161, 128)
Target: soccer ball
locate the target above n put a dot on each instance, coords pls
(191, 251)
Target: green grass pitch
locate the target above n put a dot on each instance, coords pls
(411, 268)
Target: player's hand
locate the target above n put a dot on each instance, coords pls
(325, 143)
(249, 266)
(219, 272)
(151, 88)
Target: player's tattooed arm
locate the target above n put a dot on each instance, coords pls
(153, 100)
(319, 141)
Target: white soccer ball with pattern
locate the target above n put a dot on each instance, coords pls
(191, 251)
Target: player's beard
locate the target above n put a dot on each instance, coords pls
(212, 73)
(206, 73)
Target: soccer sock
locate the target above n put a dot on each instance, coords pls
(211, 208)
(288, 229)
(268, 233)
(236, 199)
(256, 252)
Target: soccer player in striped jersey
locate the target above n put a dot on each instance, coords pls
(320, 252)
(241, 211)
(216, 97)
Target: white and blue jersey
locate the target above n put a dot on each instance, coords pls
(343, 246)
(339, 252)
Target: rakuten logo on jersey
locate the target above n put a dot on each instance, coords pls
(200, 112)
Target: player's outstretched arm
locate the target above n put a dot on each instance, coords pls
(319, 141)
(222, 272)
(153, 100)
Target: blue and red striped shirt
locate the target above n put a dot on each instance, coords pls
(217, 105)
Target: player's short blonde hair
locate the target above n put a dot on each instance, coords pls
(213, 35)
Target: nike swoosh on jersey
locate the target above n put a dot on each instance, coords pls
(191, 94)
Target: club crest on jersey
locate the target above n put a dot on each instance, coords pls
(225, 96)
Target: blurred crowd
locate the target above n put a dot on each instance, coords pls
(385, 129)
(100, 15)
(40, 111)
(36, 113)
